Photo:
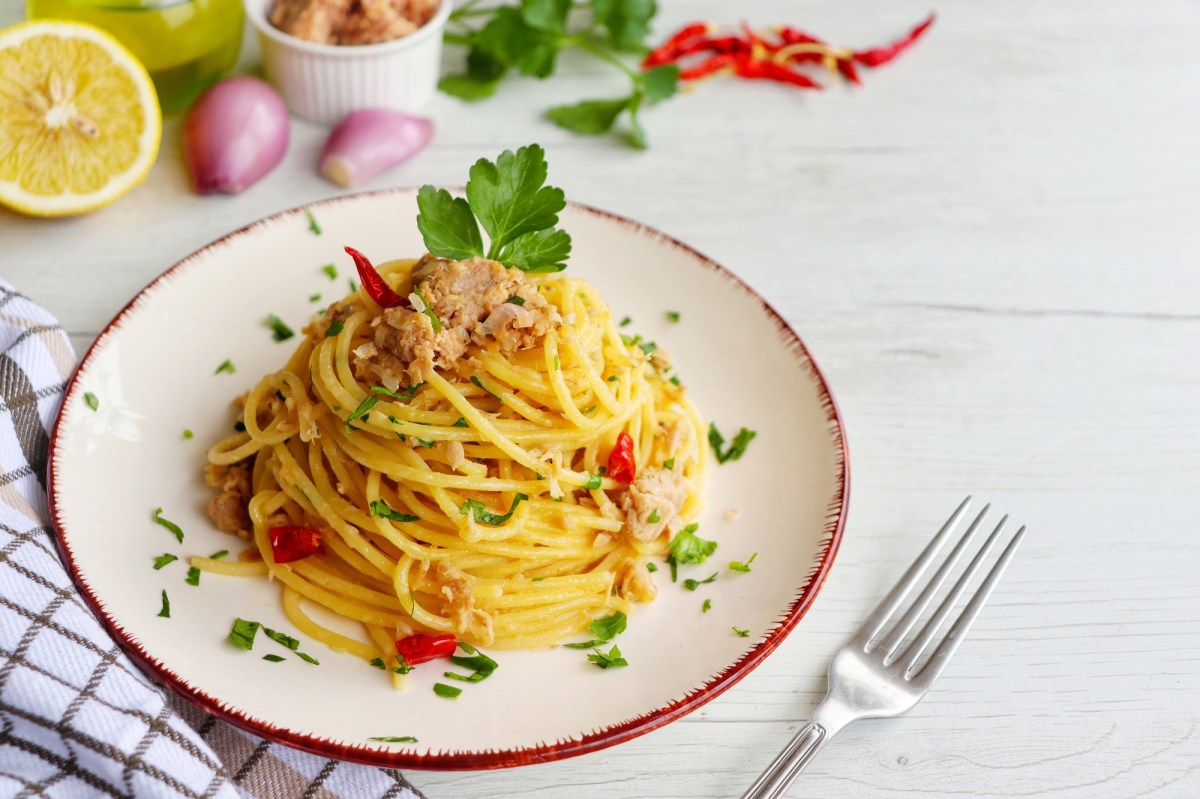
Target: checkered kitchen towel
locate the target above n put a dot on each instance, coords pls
(77, 718)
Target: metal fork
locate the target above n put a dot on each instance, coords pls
(880, 671)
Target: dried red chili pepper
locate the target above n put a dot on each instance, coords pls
(790, 35)
(294, 543)
(763, 69)
(708, 67)
(620, 461)
(372, 282)
(715, 44)
(668, 51)
(848, 71)
(881, 55)
(419, 648)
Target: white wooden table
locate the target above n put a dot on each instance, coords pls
(991, 248)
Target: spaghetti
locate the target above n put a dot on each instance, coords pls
(497, 462)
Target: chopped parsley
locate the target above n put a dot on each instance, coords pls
(425, 309)
(480, 664)
(675, 381)
(330, 270)
(394, 739)
(687, 547)
(605, 629)
(460, 423)
(479, 383)
(650, 567)
(243, 632)
(515, 300)
(312, 223)
(672, 316)
(314, 297)
(594, 481)
(279, 328)
(707, 606)
(625, 321)
(170, 525)
(282, 639)
(218, 555)
(738, 566)
(353, 284)
(193, 576)
(536, 579)
(612, 660)
(736, 449)
(557, 363)
(446, 691)
(163, 560)
(335, 327)
(741, 633)
(380, 508)
(692, 585)
(402, 396)
(613, 378)
(92, 401)
(188, 434)
(484, 516)
(226, 366)
(166, 606)
(654, 517)
(378, 663)
(648, 347)
(273, 657)
(308, 658)
(669, 464)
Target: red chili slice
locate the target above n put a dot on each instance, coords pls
(372, 282)
(294, 543)
(620, 461)
(419, 648)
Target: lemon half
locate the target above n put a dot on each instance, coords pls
(79, 118)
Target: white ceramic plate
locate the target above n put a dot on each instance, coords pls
(152, 371)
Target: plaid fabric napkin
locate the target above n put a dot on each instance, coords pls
(77, 717)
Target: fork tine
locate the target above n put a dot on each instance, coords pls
(888, 605)
(949, 645)
(914, 651)
(909, 620)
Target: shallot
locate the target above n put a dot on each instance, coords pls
(371, 140)
(235, 134)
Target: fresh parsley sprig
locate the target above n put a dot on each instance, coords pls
(527, 37)
(510, 200)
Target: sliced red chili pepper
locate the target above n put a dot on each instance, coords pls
(372, 282)
(419, 648)
(763, 69)
(881, 55)
(620, 461)
(668, 51)
(705, 68)
(294, 543)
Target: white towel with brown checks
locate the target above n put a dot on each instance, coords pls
(77, 717)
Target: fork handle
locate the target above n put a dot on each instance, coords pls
(803, 747)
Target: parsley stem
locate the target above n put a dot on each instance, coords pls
(604, 55)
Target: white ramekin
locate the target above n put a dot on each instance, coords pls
(325, 82)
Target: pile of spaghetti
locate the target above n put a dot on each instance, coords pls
(460, 448)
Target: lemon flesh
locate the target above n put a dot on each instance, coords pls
(79, 120)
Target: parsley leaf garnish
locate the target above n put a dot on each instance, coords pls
(738, 566)
(188, 434)
(605, 629)
(226, 366)
(170, 525)
(330, 270)
(281, 638)
(479, 383)
(92, 400)
(736, 449)
(429, 314)
(273, 658)
(594, 481)
(313, 227)
(335, 327)
(515, 300)
(687, 547)
(480, 664)
(654, 517)
(673, 316)
(741, 633)
(380, 508)
(707, 606)
(243, 632)
(650, 567)
(193, 576)
(166, 606)
(612, 660)
(484, 516)
(163, 560)
(669, 464)
(511, 202)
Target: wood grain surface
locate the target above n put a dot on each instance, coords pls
(991, 249)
